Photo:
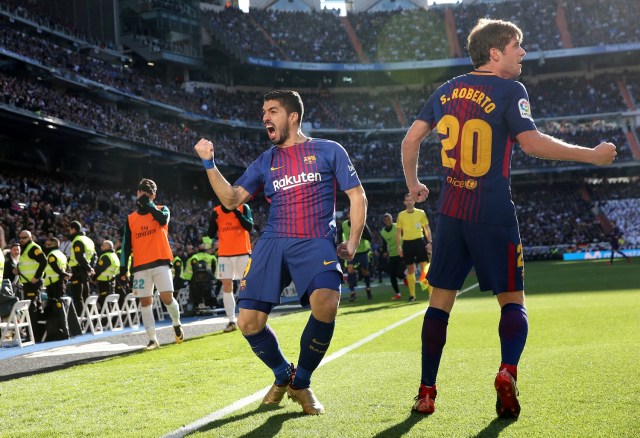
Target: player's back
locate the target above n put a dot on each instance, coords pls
(477, 117)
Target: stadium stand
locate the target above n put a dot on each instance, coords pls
(114, 118)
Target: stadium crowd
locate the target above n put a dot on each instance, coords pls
(53, 203)
(553, 215)
(407, 35)
(367, 150)
(393, 109)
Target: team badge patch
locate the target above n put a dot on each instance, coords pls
(525, 109)
(311, 159)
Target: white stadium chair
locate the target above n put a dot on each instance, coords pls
(130, 311)
(18, 319)
(90, 317)
(111, 311)
(157, 307)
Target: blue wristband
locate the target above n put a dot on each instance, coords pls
(208, 164)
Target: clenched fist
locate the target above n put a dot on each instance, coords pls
(605, 154)
(204, 149)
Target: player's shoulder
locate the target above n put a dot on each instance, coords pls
(326, 145)
(323, 142)
(263, 160)
(266, 154)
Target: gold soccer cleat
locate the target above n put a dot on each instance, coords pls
(276, 393)
(307, 399)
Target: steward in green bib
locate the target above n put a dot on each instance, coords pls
(56, 271)
(83, 253)
(107, 268)
(360, 260)
(31, 266)
(394, 264)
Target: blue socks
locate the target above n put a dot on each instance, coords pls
(434, 336)
(265, 345)
(314, 343)
(513, 330)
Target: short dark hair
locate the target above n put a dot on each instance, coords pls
(289, 99)
(148, 186)
(52, 242)
(490, 34)
(76, 226)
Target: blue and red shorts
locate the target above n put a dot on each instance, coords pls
(275, 262)
(495, 251)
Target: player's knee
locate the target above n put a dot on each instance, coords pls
(249, 326)
(166, 297)
(326, 309)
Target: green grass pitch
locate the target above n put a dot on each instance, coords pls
(579, 374)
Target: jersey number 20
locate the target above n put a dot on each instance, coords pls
(475, 144)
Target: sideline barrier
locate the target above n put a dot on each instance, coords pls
(597, 255)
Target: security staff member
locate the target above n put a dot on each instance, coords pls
(177, 266)
(107, 268)
(31, 266)
(83, 253)
(56, 270)
(199, 287)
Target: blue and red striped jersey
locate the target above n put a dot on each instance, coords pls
(477, 116)
(300, 182)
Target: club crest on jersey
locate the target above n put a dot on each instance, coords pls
(311, 159)
(525, 109)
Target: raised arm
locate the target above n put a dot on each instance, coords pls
(230, 196)
(541, 145)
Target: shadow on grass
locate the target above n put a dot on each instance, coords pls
(366, 306)
(494, 428)
(69, 364)
(270, 427)
(402, 428)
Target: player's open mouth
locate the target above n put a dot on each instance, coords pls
(271, 130)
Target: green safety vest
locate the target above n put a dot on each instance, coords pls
(113, 269)
(89, 250)
(390, 238)
(187, 270)
(52, 276)
(210, 260)
(26, 265)
(364, 246)
(118, 254)
(177, 263)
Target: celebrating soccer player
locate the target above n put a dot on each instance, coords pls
(479, 116)
(299, 175)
